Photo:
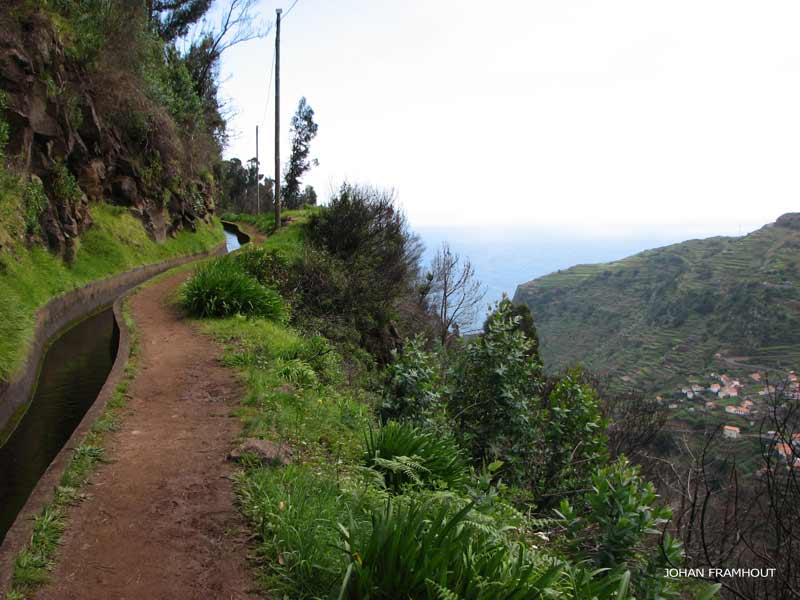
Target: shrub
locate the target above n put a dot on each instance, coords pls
(34, 202)
(571, 441)
(411, 391)
(405, 454)
(4, 132)
(268, 267)
(65, 187)
(374, 260)
(220, 289)
(619, 530)
(496, 380)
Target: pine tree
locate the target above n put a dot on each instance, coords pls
(304, 129)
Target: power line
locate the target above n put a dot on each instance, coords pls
(269, 88)
(286, 14)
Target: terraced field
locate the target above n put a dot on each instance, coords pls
(662, 317)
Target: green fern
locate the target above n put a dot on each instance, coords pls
(435, 459)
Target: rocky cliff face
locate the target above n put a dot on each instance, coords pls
(62, 125)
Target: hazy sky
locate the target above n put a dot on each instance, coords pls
(597, 115)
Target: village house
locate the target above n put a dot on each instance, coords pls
(711, 405)
(729, 392)
(729, 431)
(737, 410)
(714, 388)
(755, 376)
(787, 453)
(747, 403)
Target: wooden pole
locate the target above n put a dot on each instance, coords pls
(278, 119)
(258, 172)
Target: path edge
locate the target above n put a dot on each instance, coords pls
(19, 534)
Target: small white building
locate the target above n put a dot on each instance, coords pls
(729, 431)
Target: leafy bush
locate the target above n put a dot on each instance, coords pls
(268, 267)
(374, 260)
(411, 392)
(496, 380)
(548, 432)
(87, 24)
(618, 530)
(416, 552)
(3, 128)
(571, 440)
(405, 454)
(34, 202)
(65, 187)
(220, 289)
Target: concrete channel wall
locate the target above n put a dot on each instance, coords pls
(51, 320)
(57, 314)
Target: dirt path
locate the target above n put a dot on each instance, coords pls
(160, 520)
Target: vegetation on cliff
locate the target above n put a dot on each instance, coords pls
(110, 132)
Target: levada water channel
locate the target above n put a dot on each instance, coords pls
(72, 373)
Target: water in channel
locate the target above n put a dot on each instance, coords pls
(73, 371)
(233, 239)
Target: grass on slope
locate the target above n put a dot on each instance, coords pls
(296, 396)
(29, 278)
(289, 240)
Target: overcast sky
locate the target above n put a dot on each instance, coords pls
(602, 115)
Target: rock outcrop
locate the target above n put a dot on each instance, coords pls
(56, 119)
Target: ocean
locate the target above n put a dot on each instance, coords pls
(505, 258)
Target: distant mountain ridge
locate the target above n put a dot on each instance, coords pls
(661, 317)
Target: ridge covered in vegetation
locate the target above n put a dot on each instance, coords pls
(723, 304)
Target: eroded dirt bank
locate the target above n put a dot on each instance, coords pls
(160, 520)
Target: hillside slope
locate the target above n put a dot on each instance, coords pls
(662, 316)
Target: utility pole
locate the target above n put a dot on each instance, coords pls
(258, 173)
(277, 194)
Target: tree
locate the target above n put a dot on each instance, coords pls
(237, 24)
(495, 384)
(454, 290)
(238, 187)
(365, 261)
(524, 324)
(172, 18)
(304, 129)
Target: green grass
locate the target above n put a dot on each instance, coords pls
(221, 288)
(292, 510)
(265, 222)
(289, 241)
(34, 563)
(29, 278)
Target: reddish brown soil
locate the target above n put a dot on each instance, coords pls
(160, 520)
